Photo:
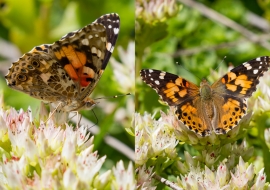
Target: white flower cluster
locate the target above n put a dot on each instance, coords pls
(50, 157)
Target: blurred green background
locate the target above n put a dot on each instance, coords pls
(25, 24)
(190, 45)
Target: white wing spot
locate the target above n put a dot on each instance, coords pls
(260, 67)
(108, 46)
(103, 39)
(151, 79)
(85, 42)
(96, 35)
(110, 26)
(94, 50)
(161, 76)
(157, 82)
(151, 71)
(247, 65)
(255, 71)
(90, 36)
(258, 59)
(98, 53)
(116, 30)
(162, 73)
(111, 50)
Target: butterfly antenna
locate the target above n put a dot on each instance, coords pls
(189, 71)
(95, 117)
(115, 96)
(220, 63)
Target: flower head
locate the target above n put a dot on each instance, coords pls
(156, 10)
(123, 178)
(222, 178)
(153, 138)
(144, 178)
(47, 156)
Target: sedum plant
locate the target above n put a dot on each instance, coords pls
(38, 155)
(166, 147)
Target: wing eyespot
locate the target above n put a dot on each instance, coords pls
(35, 63)
(22, 77)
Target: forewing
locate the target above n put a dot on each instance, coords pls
(69, 68)
(172, 89)
(234, 88)
(40, 76)
(112, 24)
(84, 53)
(242, 80)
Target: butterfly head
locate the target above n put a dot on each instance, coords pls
(204, 82)
(88, 104)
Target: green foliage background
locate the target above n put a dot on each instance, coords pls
(190, 45)
(190, 30)
(30, 23)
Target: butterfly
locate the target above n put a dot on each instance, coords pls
(66, 72)
(218, 107)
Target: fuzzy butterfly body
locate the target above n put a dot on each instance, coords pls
(218, 107)
(66, 72)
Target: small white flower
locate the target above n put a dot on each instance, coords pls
(88, 161)
(124, 72)
(153, 138)
(144, 178)
(124, 179)
(222, 175)
(14, 173)
(267, 137)
(70, 181)
(260, 181)
(102, 180)
(156, 10)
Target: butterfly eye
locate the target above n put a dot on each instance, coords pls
(22, 77)
(89, 105)
(35, 63)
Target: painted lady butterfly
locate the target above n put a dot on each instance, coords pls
(218, 107)
(66, 72)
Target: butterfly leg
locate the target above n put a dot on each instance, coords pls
(53, 112)
(79, 117)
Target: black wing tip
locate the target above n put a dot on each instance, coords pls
(262, 58)
(114, 17)
(144, 71)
